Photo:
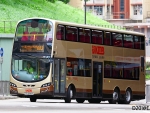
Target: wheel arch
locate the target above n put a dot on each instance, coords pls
(117, 87)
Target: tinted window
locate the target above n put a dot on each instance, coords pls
(78, 67)
(121, 70)
(60, 32)
(117, 39)
(128, 41)
(107, 38)
(84, 35)
(71, 33)
(97, 37)
(34, 30)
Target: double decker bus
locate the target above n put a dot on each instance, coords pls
(60, 60)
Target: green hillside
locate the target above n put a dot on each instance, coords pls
(15, 10)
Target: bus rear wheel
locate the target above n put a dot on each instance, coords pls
(80, 100)
(115, 97)
(33, 99)
(128, 96)
(70, 95)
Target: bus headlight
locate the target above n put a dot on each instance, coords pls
(13, 85)
(46, 88)
(13, 88)
(46, 85)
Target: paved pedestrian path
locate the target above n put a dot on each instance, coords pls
(7, 97)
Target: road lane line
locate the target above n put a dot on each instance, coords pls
(28, 106)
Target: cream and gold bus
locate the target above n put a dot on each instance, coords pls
(60, 60)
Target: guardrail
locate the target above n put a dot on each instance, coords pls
(4, 88)
(7, 26)
(147, 93)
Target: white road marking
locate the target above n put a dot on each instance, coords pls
(29, 106)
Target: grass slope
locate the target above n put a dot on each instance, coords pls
(14, 10)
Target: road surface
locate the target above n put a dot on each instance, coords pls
(23, 105)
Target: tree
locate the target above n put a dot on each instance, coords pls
(65, 1)
(52, 1)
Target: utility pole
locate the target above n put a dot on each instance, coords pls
(85, 11)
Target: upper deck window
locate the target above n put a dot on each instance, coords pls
(60, 32)
(34, 30)
(84, 35)
(97, 37)
(107, 38)
(117, 39)
(71, 33)
(128, 41)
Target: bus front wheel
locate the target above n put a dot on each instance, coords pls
(70, 95)
(32, 99)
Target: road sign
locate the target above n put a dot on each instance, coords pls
(1, 52)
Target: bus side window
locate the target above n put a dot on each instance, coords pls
(117, 39)
(60, 32)
(71, 33)
(81, 35)
(87, 36)
(128, 41)
(107, 36)
(97, 37)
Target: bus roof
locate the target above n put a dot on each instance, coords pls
(87, 26)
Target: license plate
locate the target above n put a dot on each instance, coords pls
(28, 92)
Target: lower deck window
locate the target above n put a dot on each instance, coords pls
(121, 70)
(78, 67)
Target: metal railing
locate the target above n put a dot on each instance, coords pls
(147, 93)
(7, 26)
(111, 26)
(4, 88)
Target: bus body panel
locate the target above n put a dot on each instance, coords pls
(67, 50)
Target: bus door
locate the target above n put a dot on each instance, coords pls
(97, 79)
(59, 76)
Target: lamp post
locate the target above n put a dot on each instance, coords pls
(85, 11)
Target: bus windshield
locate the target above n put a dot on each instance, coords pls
(30, 69)
(34, 30)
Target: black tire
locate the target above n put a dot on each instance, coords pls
(69, 97)
(80, 100)
(33, 99)
(128, 97)
(94, 100)
(115, 98)
(121, 102)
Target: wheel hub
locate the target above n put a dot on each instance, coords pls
(128, 96)
(115, 96)
(71, 93)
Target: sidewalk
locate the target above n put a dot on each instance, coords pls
(140, 102)
(7, 97)
(147, 82)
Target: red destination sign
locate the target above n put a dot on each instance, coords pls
(99, 50)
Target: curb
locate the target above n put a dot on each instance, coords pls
(8, 97)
